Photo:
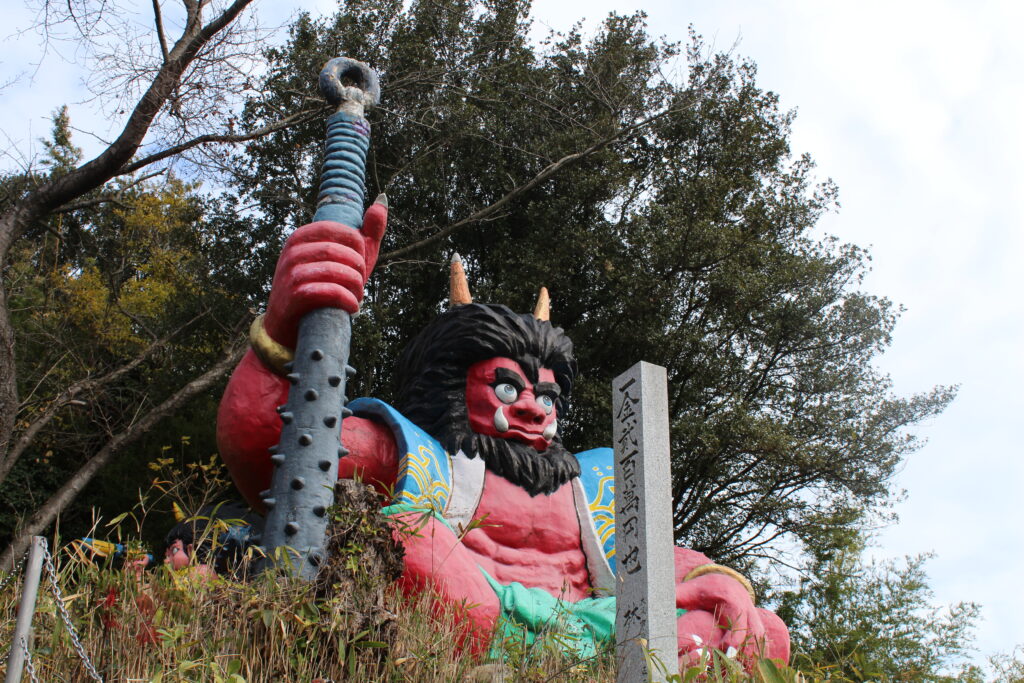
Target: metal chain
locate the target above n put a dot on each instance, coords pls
(14, 572)
(7, 579)
(28, 662)
(59, 600)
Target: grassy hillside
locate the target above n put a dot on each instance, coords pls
(351, 624)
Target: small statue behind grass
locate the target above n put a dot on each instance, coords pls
(210, 543)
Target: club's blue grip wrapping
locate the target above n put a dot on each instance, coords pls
(342, 181)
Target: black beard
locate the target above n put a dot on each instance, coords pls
(520, 463)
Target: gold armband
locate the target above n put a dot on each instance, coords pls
(719, 569)
(273, 355)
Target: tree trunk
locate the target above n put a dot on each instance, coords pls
(8, 378)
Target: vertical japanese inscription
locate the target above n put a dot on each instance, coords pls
(645, 619)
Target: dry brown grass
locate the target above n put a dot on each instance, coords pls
(173, 628)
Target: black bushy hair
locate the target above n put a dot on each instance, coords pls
(431, 386)
(242, 525)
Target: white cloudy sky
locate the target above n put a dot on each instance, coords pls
(913, 108)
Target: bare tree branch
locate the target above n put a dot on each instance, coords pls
(115, 198)
(88, 204)
(49, 511)
(298, 117)
(69, 397)
(545, 173)
(159, 21)
(91, 175)
(109, 163)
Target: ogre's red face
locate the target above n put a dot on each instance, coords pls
(502, 402)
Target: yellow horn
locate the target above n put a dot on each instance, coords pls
(458, 288)
(542, 311)
(179, 515)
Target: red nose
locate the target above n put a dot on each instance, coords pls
(529, 412)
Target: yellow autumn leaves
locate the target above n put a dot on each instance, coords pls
(118, 296)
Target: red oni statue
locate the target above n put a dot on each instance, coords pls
(515, 531)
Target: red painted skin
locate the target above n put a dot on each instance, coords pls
(526, 416)
(532, 540)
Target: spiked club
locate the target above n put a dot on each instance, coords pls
(306, 458)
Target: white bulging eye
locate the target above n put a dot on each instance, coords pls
(546, 402)
(506, 393)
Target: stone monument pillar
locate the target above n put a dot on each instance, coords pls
(645, 623)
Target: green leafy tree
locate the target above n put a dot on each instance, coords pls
(860, 620)
(669, 219)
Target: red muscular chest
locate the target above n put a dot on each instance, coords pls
(531, 540)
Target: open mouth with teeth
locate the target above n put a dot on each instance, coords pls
(501, 424)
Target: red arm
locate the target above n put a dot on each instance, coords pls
(323, 264)
(248, 425)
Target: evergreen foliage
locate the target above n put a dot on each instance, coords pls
(678, 229)
(875, 620)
